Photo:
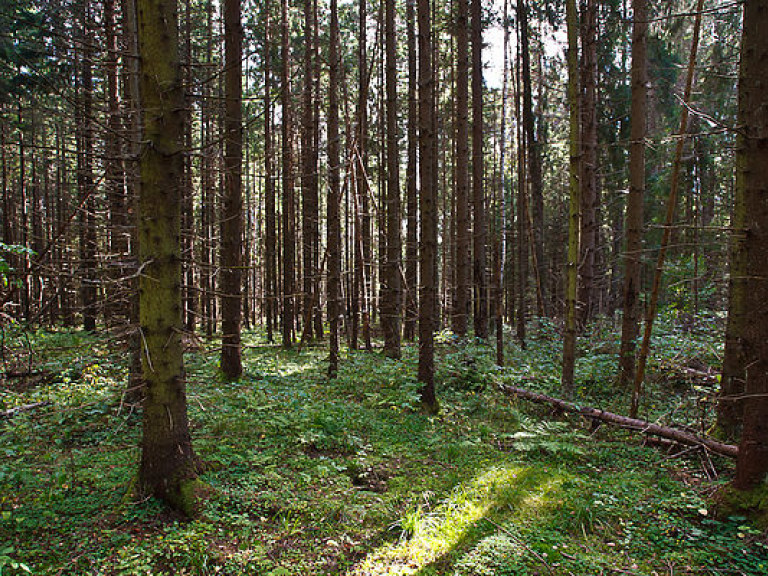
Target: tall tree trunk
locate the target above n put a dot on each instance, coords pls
(88, 290)
(630, 324)
(522, 201)
(334, 195)
(270, 264)
(752, 462)
(363, 266)
(231, 254)
(289, 234)
(463, 239)
(589, 225)
(392, 286)
(428, 209)
(167, 458)
(668, 219)
(412, 204)
(533, 164)
(502, 232)
(480, 226)
(572, 57)
(308, 207)
(113, 170)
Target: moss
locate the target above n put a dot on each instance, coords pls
(190, 497)
(752, 503)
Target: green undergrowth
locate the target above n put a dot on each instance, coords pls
(311, 476)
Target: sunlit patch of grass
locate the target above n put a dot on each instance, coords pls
(429, 535)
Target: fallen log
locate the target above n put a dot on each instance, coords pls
(675, 434)
(6, 414)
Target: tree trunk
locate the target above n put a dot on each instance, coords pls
(752, 463)
(480, 226)
(589, 224)
(428, 209)
(463, 251)
(232, 205)
(289, 234)
(412, 203)
(308, 207)
(630, 324)
(334, 195)
(270, 264)
(533, 157)
(392, 287)
(572, 56)
(668, 220)
(88, 290)
(167, 459)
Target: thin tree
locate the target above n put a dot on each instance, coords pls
(480, 226)
(752, 461)
(308, 169)
(572, 57)
(533, 163)
(392, 286)
(289, 234)
(588, 183)
(428, 209)
(334, 195)
(270, 232)
(168, 468)
(412, 203)
(630, 323)
(463, 238)
(232, 205)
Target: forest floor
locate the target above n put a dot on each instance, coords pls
(346, 477)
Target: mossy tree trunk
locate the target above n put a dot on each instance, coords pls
(167, 459)
(752, 462)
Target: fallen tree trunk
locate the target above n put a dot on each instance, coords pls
(675, 434)
(5, 414)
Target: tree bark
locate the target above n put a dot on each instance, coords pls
(167, 458)
(232, 205)
(480, 225)
(289, 234)
(392, 286)
(589, 224)
(412, 203)
(569, 344)
(334, 195)
(270, 263)
(428, 209)
(630, 323)
(463, 234)
(752, 463)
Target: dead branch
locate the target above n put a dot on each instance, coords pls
(6, 414)
(674, 434)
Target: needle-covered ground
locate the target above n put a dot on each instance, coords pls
(312, 476)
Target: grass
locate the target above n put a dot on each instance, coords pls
(346, 477)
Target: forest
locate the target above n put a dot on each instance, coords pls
(427, 287)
